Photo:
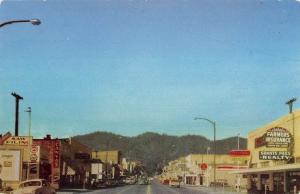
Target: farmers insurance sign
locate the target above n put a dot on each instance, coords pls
(276, 137)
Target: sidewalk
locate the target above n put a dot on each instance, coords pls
(208, 190)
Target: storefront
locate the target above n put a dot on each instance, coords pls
(21, 159)
(275, 156)
(191, 179)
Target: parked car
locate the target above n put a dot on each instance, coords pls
(34, 186)
(174, 183)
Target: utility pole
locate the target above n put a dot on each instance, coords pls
(106, 155)
(18, 98)
(290, 103)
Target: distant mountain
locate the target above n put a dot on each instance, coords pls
(154, 150)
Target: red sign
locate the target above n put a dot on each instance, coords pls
(239, 153)
(203, 166)
(56, 154)
(231, 167)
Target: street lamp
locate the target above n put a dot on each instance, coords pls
(32, 21)
(214, 125)
(29, 142)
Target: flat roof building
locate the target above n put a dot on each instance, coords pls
(275, 156)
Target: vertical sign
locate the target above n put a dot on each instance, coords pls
(55, 163)
(35, 153)
(56, 154)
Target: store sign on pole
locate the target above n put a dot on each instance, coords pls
(274, 155)
(203, 166)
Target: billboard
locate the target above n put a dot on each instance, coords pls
(274, 155)
(18, 140)
(10, 161)
(276, 137)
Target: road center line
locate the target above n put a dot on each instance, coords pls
(149, 189)
(124, 190)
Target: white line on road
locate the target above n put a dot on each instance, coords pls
(124, 190)
(149, 189)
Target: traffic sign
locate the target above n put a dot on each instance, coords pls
(203, 166)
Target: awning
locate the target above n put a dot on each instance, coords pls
(285, 167)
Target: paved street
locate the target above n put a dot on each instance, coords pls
(154, 188)
(157, 188)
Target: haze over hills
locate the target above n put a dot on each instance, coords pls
(154, 150)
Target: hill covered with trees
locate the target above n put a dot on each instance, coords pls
(154, 150)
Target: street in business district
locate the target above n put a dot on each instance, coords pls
(154, 188)
(149, 97)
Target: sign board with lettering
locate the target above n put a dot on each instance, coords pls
(239, 153)
(35, 153)
(276, 137)
(10, 161)
(85, 156)
(274, 155)
(18, 140)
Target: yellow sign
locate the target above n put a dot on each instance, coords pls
(7, 163)
(18, 140)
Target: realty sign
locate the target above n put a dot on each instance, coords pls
(274, 155)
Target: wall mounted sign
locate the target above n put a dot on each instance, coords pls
(239, 153)
(56, 153)
(10, 161)
(276, 137)
(18, 140)
(274, 155)
(35, 153)
(82, 156)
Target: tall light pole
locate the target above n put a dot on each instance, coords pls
(214, 125)
(32, 21)
(238, 141)
(238, 176)
(29, 142)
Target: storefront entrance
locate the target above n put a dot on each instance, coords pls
(293, 179)
(278, 181)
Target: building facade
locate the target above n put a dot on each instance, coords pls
(112, 165)
(275, 156)
(198, 169)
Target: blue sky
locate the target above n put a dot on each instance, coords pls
(133, 66)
